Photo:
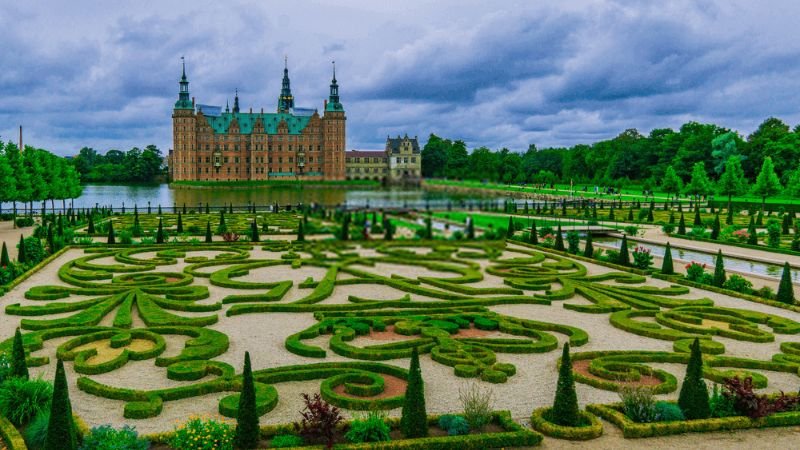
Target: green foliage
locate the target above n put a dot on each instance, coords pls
(721, 405)
(301, 234)
(719, 271)
(477, 405)
(203, 434)
(638, 403)
(785, 287)
(573, 241)
(61, 432)
(106, 437)
(671, 183)
(667, 267)
(21, 399)
(667, 412)
(19, 367)
(35, 433)
(455, 425)
(5, 261)
(247, 432)
(286, 441)
(773, 233)
(565, 405)
(209, 238)
(116, 166)
(160, 231)
(682, 225)
(414, 419)
(559, 243)
(588, 248)
(738, 283)
(767, 182)
(624, 258)
(111, 239)
(693, 398)
(371, 428)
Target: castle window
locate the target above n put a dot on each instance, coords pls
(291, 159)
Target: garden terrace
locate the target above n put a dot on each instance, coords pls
(151, 333)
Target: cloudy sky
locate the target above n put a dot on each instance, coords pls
(499, 73)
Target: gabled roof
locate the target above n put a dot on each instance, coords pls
(393, 144)
(247, 122)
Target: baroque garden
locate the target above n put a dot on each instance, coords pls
(152, 314)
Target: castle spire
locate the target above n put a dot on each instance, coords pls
(236, 102)
(333, 98)
(184, 102)
(227, 106)
(285, 100)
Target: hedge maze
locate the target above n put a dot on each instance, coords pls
(107, 306)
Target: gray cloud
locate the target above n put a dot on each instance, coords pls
(498, 74)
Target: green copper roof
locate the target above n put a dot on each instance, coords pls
(247, 122)
(334, 107)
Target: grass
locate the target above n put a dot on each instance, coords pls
(630, 193)
(501, 221)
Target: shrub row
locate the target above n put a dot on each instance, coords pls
(593, 430)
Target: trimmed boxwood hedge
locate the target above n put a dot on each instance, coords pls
(630, 429)
(593, 430)
(11, 436)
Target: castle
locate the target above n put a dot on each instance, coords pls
(290, 144)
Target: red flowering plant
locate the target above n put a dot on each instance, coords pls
(741, 235)
(548, 240)
(697, 272)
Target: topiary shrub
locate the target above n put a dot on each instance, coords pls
(19, 367)
(693, 399)
(455, 425)
(414, 419)
(247, 432)
(785, 288)
(565, 405)
(371, 428)
(106, 437)
(667, 412)
(21, 399)
(61, 428)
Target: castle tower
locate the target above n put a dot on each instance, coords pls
(285, 100)
(334, 124)
(183, 144)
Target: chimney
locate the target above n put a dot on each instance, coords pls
(21, 148)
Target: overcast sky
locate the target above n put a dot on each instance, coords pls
(496, 73)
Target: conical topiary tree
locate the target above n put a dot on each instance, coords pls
(414, 420)
(5, 261)
(588, 248)
(222, 228)
(752, 237)
(22, 254)
(624, 257)
(565, 405)
(61, 428)
(559, 245)
(667, 268)
(715, 228)
(693, 399)
(533, 236)
(90, 227)
(111, 238)
(682, 225)
(719, 271)
(785, 289)
(19, 367)
(388, 230)
(470, 228)
(697, 220)
(179, 228)
(208, 232)
(247, 431)
(301, 232)
(254, 231)
(611, 213)
(510, 229)
(160, 231)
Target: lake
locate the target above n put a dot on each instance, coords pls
(166, 196)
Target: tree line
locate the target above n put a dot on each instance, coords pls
(36, 175)
(628, 159)
(135, 165)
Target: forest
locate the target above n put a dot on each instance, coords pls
(630, 158)
(135, 165)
